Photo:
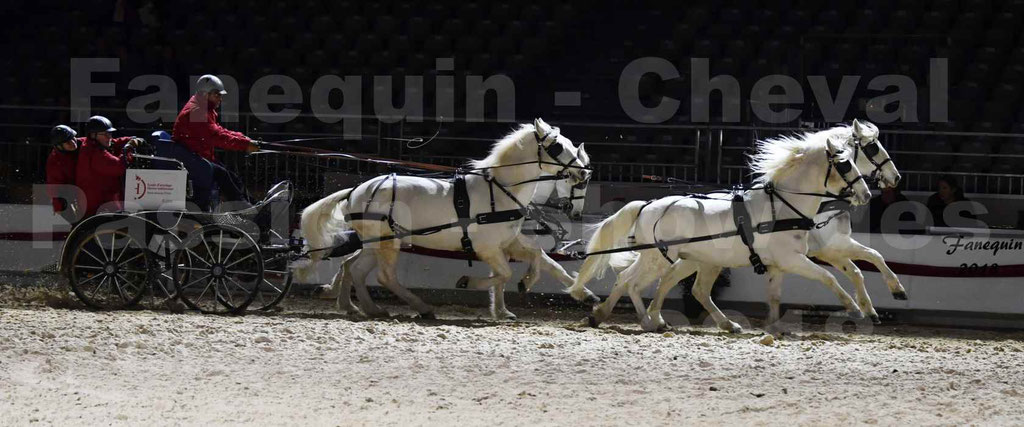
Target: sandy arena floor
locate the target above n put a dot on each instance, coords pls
(309, 366)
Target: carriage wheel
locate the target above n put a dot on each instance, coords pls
(165, 289)
(109, 269)
(218, 270)
(277, 281)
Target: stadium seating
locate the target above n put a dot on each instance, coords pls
(547, 46)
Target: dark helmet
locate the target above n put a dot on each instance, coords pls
(61, 134)
(98, 124)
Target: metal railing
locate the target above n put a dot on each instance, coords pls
(620, 152)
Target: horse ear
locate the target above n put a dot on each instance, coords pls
(540, 127)
(831, 147)
(858, 129)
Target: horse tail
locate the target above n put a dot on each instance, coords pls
(620, 261)
(609, 232)
(320, 222)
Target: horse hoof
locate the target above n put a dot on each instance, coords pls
(176, 307)
(378, 314)
(428, 316)
(592, 321)
(462, 283)
(777, 331)
(900, 296)
(731, 327)
(511, 316)
(875, 319)
(855, 315)
(522, 287)
(591, 299)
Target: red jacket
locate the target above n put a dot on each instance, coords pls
(100, 173)
(202, 134)
(60, 170)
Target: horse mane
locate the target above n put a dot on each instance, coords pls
(503, 147)
(774, 158)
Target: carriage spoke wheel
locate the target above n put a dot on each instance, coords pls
(218, 270)
(165, 290)
(277, 281)
(109, 269)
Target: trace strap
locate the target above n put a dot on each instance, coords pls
(745, 229)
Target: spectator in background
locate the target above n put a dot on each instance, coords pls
(881, 203)
(949, 192)
(102, 165)
(60, 169)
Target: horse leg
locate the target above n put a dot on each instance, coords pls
(854, 274)
(387, 275)
(772, 324)
(541, 261)
(520, 250)
(861, 252)
(628, 276)
(361, 266)
(679, 271)
(706, 276)
(636, 289)
(344, 285)
(501, 272)
(333, 289)
(803, 266)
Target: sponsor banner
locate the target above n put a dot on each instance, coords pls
(147, 189)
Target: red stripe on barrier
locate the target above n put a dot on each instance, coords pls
(35, 237)
(1016, 270)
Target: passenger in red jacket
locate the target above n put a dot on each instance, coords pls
(60, 170)
(196, 127)
(102, 166)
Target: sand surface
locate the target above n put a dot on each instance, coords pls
(310, 366)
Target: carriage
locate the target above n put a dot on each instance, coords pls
(222, 263)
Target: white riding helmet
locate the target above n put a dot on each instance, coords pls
(210, 83)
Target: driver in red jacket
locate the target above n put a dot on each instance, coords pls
(196, 127)
(102, 166)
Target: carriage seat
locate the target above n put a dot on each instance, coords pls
(205, 192)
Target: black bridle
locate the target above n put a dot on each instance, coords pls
(871, 151)
(564, 204)
(554, 152)
(843, 167)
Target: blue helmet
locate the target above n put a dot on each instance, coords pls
(98, 124)
(61, 134)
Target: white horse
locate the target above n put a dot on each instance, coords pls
(509, 172)
(798, 169)
(570, 200)
(833, 243)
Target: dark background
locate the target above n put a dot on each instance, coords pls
(544, 47)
